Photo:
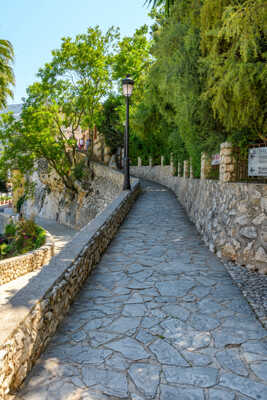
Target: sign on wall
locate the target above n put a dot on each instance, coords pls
(216, 159)
(257, 161)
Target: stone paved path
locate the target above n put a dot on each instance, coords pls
(62, 234)
(160, 318)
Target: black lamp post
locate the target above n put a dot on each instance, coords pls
(127, 88)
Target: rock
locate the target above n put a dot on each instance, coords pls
(261, 255)
(124, 324)
(146, 378)
(247, 249)
(203, 377)
(242, 220)
(174, 393)
(202, 322)
(167, 354)
(177, 288)
(260, 369)
(229, 251)
(231, 360)
(197, 359)
(264, 204)
(249, 232)
(134, 310)
(218, 394)
(109, 382)
(176, 311)
(259, 219)
(249, 388)
(130, 348)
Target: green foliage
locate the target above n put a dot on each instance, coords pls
(234, 48)
(132, 57)
(78, 170)
(66, 97)
(20, 202)
(3, 187)
(21, 238)
(165, 3)
(110, 124)
(4, 249)
(10, 230)
(6, 72)
(207, 83)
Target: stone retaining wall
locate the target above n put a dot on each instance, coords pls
(4, 220)
(46, 299)
(52, 201)
(13, 267)
(232, 217)
(116, 177)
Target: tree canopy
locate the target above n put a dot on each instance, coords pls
(208, 79)
(200, 79)
(6, 72)
(66, 98)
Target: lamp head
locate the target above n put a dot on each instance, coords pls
(127, 86)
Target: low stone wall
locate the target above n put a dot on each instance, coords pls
(43, 303)
(232, 217)
(13, 267)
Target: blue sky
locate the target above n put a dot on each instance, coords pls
(35, 27)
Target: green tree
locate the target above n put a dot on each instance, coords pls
(173, 95)
(208, 80)
(234, 53)
(110, 124)
(66, 98)
(133, 57)
(6, 72)
(165, 3)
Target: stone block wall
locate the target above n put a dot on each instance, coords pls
(227, 163)
(4, 221)
(232, 217)
(52, 201)
(13, 267)
(48, 296)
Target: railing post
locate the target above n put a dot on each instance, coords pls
(191, 170)
(139, 162)
(205, 166)
(172, 165)
(150, 162)
(179, 169)
(162, 161)
(227, 163)
(186, 168)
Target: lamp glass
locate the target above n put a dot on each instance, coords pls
(127, 86)
(127, 89)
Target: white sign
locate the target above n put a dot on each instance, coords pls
(257, 161)
(216, 159)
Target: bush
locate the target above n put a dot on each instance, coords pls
(20, 202)
(21, 238)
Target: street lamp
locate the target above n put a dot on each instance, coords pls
(127, 89)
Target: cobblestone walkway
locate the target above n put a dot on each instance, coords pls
(62, 234)
(160, 318)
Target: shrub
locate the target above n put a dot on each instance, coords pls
(21, 238)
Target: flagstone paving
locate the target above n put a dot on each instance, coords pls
(160, 318)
